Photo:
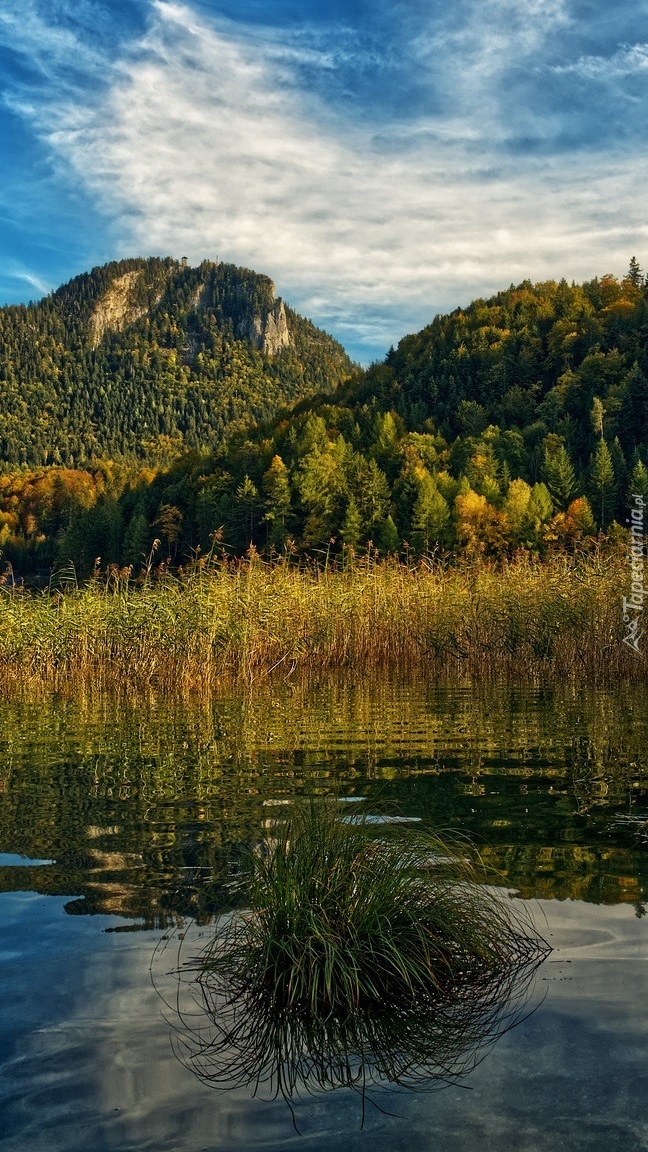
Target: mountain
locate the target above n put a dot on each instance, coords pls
(520, 421)
(141, 359)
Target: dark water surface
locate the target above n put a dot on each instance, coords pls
(120, 821)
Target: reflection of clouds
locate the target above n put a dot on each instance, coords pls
(87, 1062)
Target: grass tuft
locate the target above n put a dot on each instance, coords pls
(369, 954)
(347, 916)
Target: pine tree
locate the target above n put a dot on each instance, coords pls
(602, 484)
(388, 538)
(638, 482)
(620, 473)
(136, 539)
(634, 273)
(351, 531)
(633, 417)
(559, 475)
(276, 488)
(431, 514)
(247, 503)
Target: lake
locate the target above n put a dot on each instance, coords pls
(121, 822)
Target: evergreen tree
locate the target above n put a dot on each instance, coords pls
(633, 417)
(430, 516)
(634, 273)
(638, 482)
(351, 531)
(620, 474)
(247, 509)
(276, 488)
(559, 475)
(388, 539)
(602, 486)
(136, 539)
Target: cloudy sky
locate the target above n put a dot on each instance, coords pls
(382, 160)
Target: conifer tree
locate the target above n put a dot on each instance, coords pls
(276, 488)
(388, 538)
(634, 273)
(247, 506)
(602, 487)
(638, 482)
(136, 539)
(559, 475)
(431, 514)
(351, 531)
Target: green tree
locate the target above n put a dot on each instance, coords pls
(322, 486)
(559, 475)
(430, 516)
(276, 489)
(136, 539)
(634, 273)
(370, 489)
(169, 521)
(602, 486)
(247, 506)
(352, 528)
(472, 417)
(540, 504)
(597, 416)
(638, 482)
(633, 417)
(388, 539)
(516, 508)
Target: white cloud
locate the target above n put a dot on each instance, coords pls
(202, 144)
(629, 59)
(51, 49)
(33, 280)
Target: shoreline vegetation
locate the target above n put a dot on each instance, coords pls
(220, 623)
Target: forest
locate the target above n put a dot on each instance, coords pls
(519, 423)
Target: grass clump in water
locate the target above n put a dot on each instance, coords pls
(368, 955)
(345, 917)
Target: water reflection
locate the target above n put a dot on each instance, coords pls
(230, 1038)
(143, 805)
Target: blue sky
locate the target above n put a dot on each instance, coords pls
(381, 161)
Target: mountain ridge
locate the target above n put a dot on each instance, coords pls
(517, 423)
(141, 359)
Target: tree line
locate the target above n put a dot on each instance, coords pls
(518, 422)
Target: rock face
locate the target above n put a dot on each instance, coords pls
(269, 331)
(262, 318)
(116, 309)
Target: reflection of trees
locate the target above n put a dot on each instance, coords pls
(230, 1037)
(143, 804)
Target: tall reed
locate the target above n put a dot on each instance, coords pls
(240, 621)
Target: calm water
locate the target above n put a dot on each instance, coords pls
(120, 821)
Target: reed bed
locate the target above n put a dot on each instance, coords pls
(238, 622)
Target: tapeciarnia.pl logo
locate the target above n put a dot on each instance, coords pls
(633, 605)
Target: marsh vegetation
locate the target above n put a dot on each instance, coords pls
(220, 621)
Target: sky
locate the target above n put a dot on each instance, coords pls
(381, 160)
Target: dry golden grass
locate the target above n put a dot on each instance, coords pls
(238, 622)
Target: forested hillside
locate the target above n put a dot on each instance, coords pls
(142, 359)
(518, 422)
